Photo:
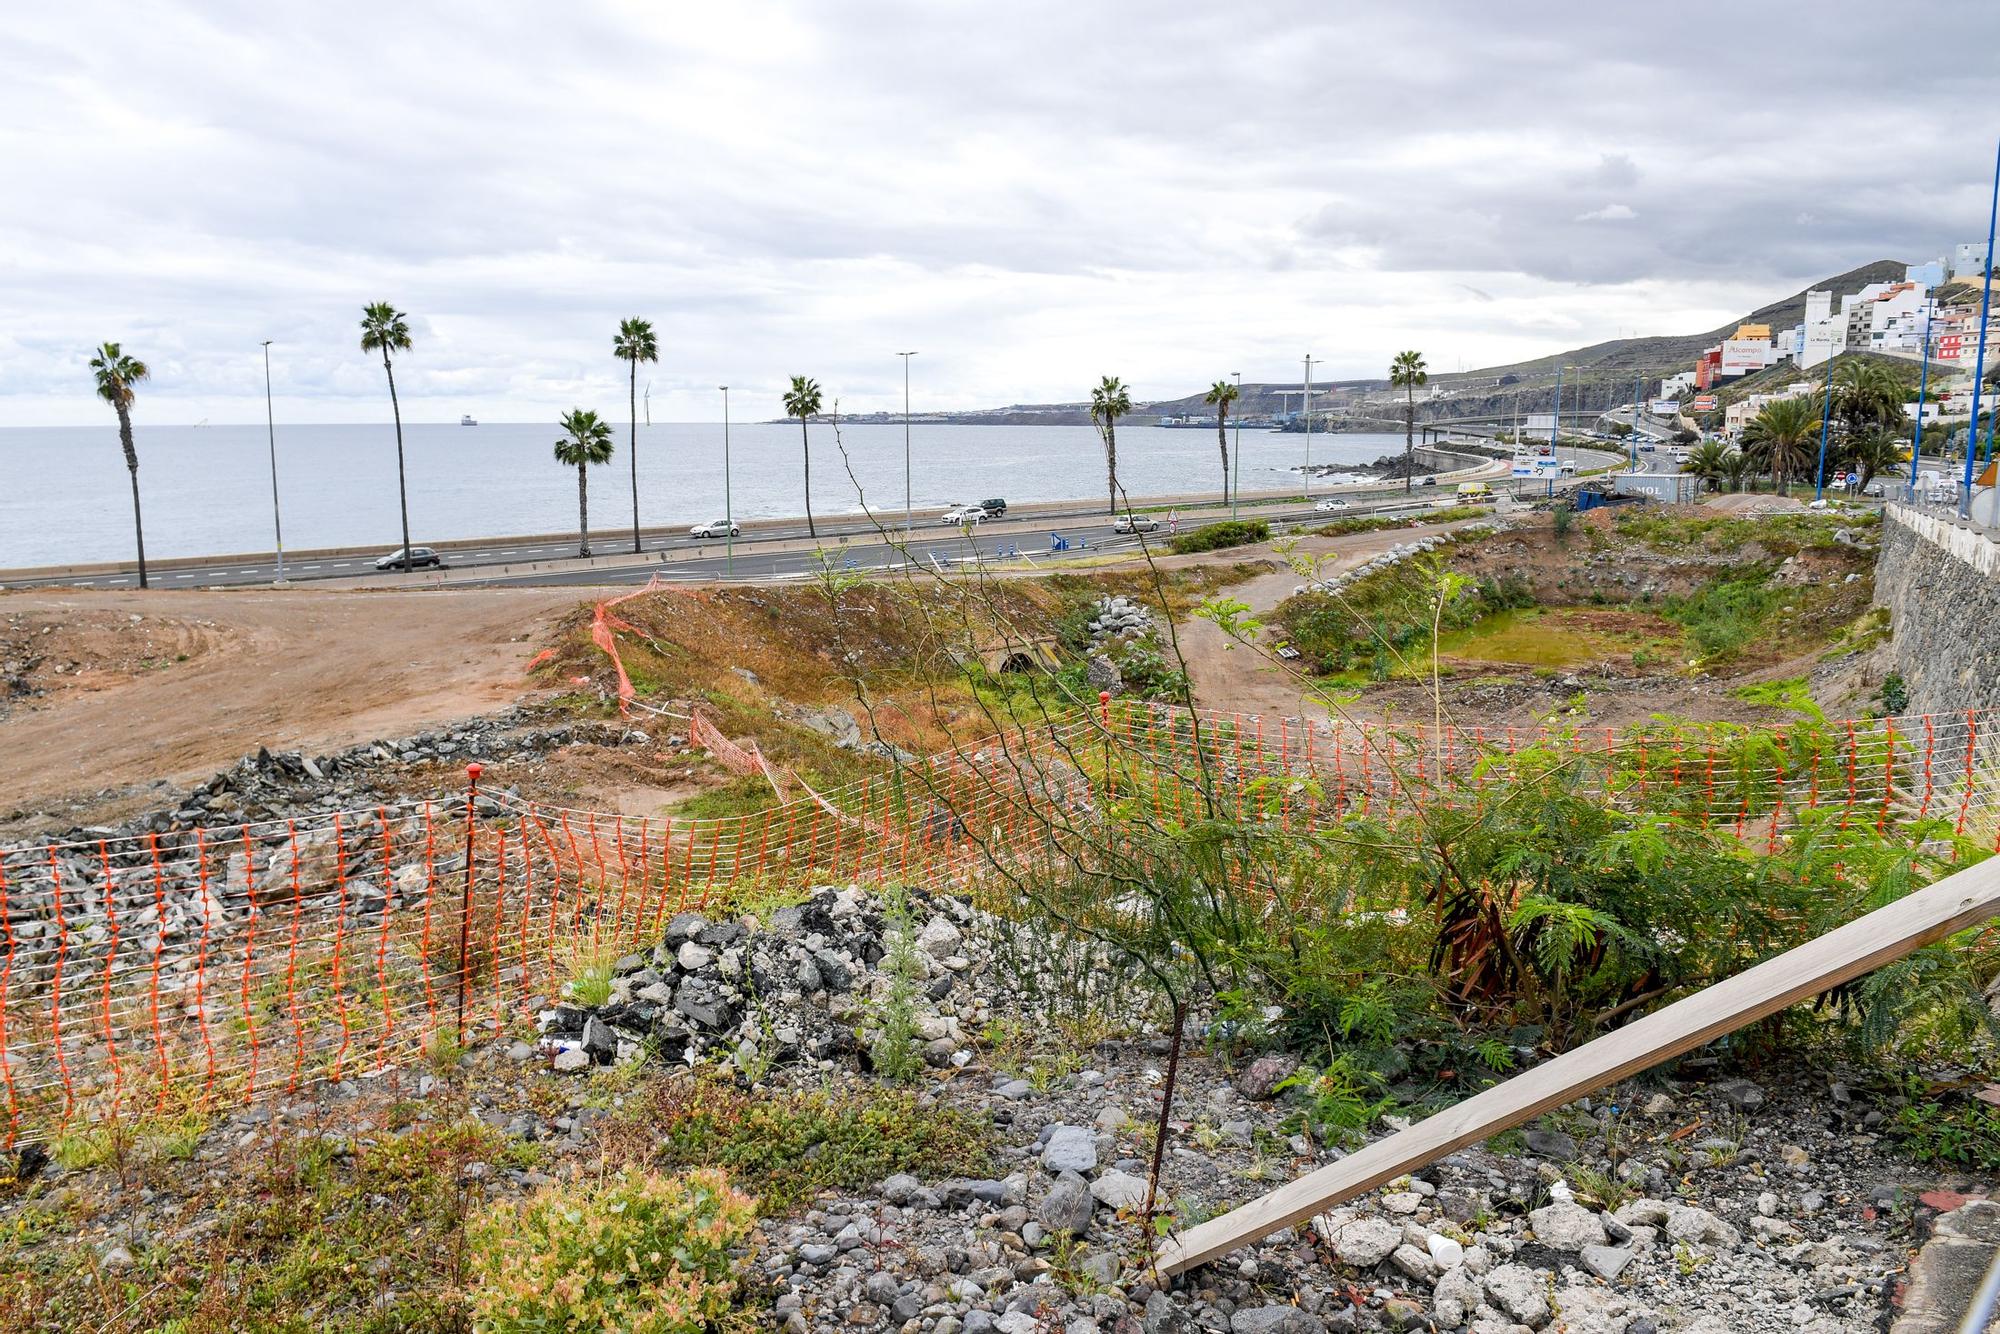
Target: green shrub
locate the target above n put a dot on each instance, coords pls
(1895, 693)
(638, 1251)
(1726, 615)
(789, 1146)
(1216, 536)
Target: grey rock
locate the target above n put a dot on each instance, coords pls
(1259, 1079)
(1416, 1263)
(1164, 1317)
(1013, 1089)
(881, 1288)
(705, 1004)
(598, 1039)
(1567, 1227)
(902, 1188)
(1070, 1149)
(1607, 1262)
(1366, 1242)
(1551, 1144)
(1741, 1094)
(939, 938)
(1521, 1292)
(817, 1253)
(1119, 1190)
(1274, 1320)
(570, 1060)
(1457, 1295)
(1067, 1207)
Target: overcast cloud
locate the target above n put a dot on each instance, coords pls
(1031, 194)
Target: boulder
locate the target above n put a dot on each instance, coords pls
(1521, 1293)
(1259, 1079)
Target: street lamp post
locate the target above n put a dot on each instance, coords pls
(1825, 422)
(1979, 364)
(1236, 482)
(1923, 392)
(728, 504)
(271, 431)
(908, 527)
(1306, 399)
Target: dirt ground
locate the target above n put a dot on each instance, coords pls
(1243, 679)
(103, 695)
(1231, 676)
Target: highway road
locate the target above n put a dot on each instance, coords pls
(676, 555)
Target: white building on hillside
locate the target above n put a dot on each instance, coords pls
(1968, 259)
(1822, 335)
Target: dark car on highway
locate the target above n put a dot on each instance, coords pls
(418, 558)
(994, 508)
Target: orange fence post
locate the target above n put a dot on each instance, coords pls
(472, 772)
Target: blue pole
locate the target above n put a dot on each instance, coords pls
(1632, 441)
(1556, 420)
(1979, 365)
(1923, 388)
(1825, 420)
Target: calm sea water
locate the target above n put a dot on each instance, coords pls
(207, 489)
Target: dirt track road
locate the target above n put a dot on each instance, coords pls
(1243, 679)
(288, 669)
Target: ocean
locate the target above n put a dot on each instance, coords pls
(207, 489)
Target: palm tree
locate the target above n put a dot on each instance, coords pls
(586, 441)
(1108, 402)
(1222, 394)
(802, 402)
(385, 329)
(116, 374)
(635, 343)
(1867, 393)
(1783, 436)
(1874, 450)
(1734, 465)
(1709, 461)
(1406, 372)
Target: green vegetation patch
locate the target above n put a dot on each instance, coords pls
(1218, 536)
(1563, 637)
(1793, 693)
(1680, 529)
(786, 1147)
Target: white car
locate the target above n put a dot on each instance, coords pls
(960, 515)
(1330, 503)
(718, 528)
(1135, 523)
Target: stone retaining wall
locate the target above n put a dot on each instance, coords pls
(1941, 584)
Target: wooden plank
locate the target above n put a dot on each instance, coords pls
(1868, 942)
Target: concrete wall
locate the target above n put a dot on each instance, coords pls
(1941, 584)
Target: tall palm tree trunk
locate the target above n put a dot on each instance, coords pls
(805, 447)
(1409, 435)
(402, 485)
(1222, 442)
(1111, 463)
(635, 455)
(132, 467)
(582, 510)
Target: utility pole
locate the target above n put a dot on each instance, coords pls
(1307, 400)
(1825, 421)
(728, 504)
(271, 430)
(907, 526)
(1923, 391)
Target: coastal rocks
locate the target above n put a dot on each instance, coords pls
(1070, 1149)
(1068, 1206)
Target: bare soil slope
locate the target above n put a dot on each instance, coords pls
(117, 691)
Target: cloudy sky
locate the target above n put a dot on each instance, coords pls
(1031, 194)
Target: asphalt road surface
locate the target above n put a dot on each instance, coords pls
(679, 556)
